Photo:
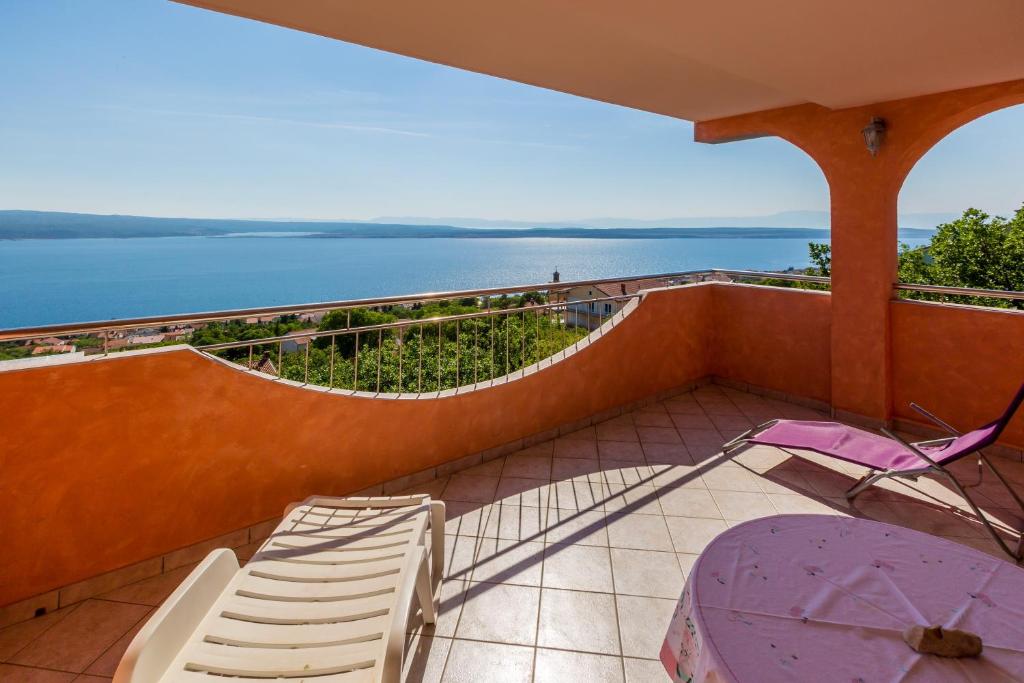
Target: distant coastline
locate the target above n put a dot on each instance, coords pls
(23, 225)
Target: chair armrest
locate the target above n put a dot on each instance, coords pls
(394, 653)
(165, 634)
(912, 448)
(935, 420)
(436, 542)
(935, 442)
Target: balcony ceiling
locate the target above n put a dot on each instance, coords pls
(691, 60)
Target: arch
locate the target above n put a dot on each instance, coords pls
(785, 124)
(864, 192)
(954, 123)
(832, 137)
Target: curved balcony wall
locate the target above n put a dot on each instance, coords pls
(110, 462)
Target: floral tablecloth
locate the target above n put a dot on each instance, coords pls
(825, 598)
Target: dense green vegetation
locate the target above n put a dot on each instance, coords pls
(239, 330)
(976, 250)
(421, 355)
(13, 352)
(433, 356)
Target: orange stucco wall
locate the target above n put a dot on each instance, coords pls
(864, 192)
(773, 338)
(106, 463)
(110, 462)
(963, 364)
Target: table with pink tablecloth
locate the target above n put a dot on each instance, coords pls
(826, 598)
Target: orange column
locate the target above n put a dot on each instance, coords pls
(864, 191)
(863, 272)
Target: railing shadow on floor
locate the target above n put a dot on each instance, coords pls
(930, 513)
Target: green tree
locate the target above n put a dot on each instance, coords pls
(239, 330)
(821, 256)
(433, 356)
(975, 250)
(914, 265)
(11, 351)
(351, 318)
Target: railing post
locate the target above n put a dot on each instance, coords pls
(380, 340)
(490, 328)
(331, 370)
(536, 350)
(355, 365)
(305, 372)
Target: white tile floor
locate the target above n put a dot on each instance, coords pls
(564, 561)
(570, 555)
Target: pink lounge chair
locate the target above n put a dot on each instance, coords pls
(891, 456)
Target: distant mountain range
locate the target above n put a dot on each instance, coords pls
(784, 219)
(792, 224)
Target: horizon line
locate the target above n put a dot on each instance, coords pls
(444, 221)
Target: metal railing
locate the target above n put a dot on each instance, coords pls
(765, 275)
(429, 355)
(100, 327)
(97, 327)
(488, 336)
(941, 293)
(108, 336)
(104, 337)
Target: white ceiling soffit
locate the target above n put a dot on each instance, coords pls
(691, 60)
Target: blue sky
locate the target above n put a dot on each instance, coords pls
(149, 107)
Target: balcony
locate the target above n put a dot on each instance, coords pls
(580, 487)
(580, 461)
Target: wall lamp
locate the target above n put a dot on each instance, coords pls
(874, 135)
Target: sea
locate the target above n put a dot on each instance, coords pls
(45, 282)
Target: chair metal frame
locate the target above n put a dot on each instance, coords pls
(932, 467)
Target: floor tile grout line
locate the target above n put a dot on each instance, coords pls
(615, 607)
(43, 668)
(143, 618)
(618, 513)
(76, 674)
(41, 633)
(545, 647)
(448, 654)
(540, 611)
(598, 592)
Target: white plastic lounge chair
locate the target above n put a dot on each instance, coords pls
(326, 598)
